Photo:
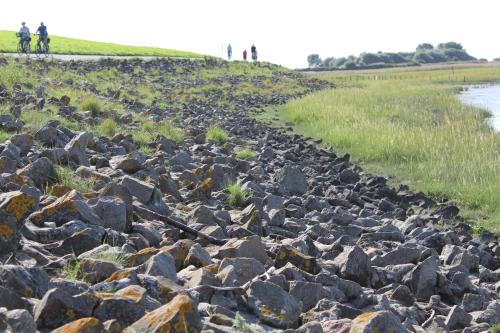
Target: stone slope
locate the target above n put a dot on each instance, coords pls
(318, 246)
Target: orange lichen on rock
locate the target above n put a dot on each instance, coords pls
(59, 190)
(180, 315)
(84, 325)
(17, 204)
(5, 231)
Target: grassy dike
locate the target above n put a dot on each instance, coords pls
(412, 127)
(64, 45)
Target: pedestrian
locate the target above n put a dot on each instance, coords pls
(245, 55)
(229, 52)
(254, 52)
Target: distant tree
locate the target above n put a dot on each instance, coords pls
(450, 45)
(425, 46)
(314, 60)
(328, 62)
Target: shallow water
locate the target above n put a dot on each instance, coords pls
(486, 97)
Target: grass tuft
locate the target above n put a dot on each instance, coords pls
(107, 127)
(246, 154)
(217, 135)
(66, 177)
(91, 104)
(495, 328)
(237, 196)
(72, 271)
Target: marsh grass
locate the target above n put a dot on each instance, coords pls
(414, 127)
(236, 195)
(217, 135)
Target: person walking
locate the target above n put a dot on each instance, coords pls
(229, 52)
(254, 52)
(245, 55)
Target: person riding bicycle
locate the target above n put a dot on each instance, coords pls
(24, 33)
(229, 52)
(43, 34)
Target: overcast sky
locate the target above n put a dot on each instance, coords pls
(284, 31)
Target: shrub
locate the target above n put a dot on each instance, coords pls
(246, 154)
(107, 127)
(91, 104)
(217, 135)
(237, 196)
(495, 328)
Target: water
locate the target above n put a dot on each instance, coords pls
(486, 97)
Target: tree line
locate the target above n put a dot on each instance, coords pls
(424, 54)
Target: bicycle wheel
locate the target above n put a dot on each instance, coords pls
(46, 50)
(38, 50)
(20, 48)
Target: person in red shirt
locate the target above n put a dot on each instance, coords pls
(245, 55)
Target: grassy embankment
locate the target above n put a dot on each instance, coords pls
(64, 45)
(412, 126)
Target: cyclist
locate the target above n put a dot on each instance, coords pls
(245, 55)
(43, 35)
(24, 33)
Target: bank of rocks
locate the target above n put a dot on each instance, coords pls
(320, 246)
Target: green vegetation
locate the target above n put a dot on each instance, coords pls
(72, 271)
(217, 135)
(64, 45)
(246, 154)
(91, 104)
(495, 328)
(424, 54)
(236, 195)
(240, 325)
(107, 127)
(412, 125)
(113, 257)
(64, 176)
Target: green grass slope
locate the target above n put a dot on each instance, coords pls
(413, 126)
(64, 45)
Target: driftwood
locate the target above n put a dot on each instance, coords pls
(212, 240)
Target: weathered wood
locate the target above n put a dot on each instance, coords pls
(179, 225)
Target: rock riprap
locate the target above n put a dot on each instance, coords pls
(142, 236)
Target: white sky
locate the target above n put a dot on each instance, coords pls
(284, 32)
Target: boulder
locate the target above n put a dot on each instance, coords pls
(112, 212)
(288, 254)
(248, 247)
(423, 278)
(21, 321)
(381, 321)
(58, 307)
(291, 180)
(139, 189)
(76, 148)
(71, 206)
(125, 163)
(457, 318)
(273, 305)
(353, 264)
(41, 171)
(235, 272)
(180, 315)
(84, 325)
(197, 256)
(161, 264)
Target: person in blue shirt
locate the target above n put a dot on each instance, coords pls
(43, 34)
(24, 33)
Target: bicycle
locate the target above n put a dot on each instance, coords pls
(42, 47)
(23, 46)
